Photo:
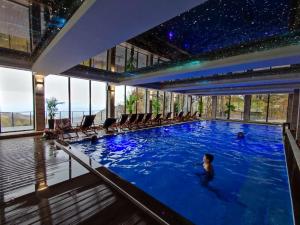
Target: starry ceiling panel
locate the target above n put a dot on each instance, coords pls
(219, 24)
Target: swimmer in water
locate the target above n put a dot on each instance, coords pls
(94, 139)
(208, 170)
(240, 135)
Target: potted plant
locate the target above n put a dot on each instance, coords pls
(229, 108)
(156, 105)
(176, 107)
(52, 109)
(130, 103)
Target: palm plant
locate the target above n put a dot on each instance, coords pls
(177, 107)
(52, 109)
(130, 103)
(229, 108)
(156, 105)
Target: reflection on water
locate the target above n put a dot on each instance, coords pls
(250, 174)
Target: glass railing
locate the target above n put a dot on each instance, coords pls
(16, 121)
(76, 116)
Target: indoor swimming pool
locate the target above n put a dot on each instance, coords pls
(250, 185)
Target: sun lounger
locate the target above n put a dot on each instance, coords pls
(123, 121)
(147, 119)
(156, 119)
(109, 123)
(87, 124)
(131, 120)
(64, 127)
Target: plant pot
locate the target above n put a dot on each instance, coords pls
(51, 124)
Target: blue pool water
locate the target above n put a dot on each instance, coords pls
(250, 184)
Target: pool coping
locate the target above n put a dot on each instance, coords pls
(153, 207)
(87, 138)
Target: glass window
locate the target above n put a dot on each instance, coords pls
(155, 60)
(168, 102)
(153, 101)
(86, 63)
(120, 58)
(222, 107)
(142, 62)
(278, 108)
(131, 99)
(79, 99)
(14, 28)
(207, 106)
(259, 108)
(132, 61)
(100, 61)
(237, 109)
(119, 100)
(98, 101)
(16, 100)
(177, 104)
(57, 87)
(141, 100)
(196, 101)
(161, 101)
(181, 102)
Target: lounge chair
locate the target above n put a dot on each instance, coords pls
(87, 124)
(156, 119)
(139, 119)
(147, 119)
(109, 123)
(131, 120)
(123, 120)
(194, 116)
(179, 117)
(168, 119)
(187, 116)
(64, 127)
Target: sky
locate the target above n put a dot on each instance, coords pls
(16, 92)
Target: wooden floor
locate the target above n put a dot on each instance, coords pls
(41, 185)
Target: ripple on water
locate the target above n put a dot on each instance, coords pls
(250, 175)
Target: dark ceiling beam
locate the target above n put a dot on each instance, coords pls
(196, 69)
(15, 59)
(84, 72)
(236, 82)
(243, 90)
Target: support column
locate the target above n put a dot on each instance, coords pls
(111, 60)
(289, 108)
(214, 107)
(39, 102)
(247, 107)
(295, 110)
(110, 101)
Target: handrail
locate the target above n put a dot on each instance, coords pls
(294, 147)
(292, 154)
(65, 145)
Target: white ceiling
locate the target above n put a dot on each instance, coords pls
(101, 24)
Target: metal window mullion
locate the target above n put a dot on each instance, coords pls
(90, 97)
(268, 107)
(229, 107)
(69, 96)
(125, 99)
